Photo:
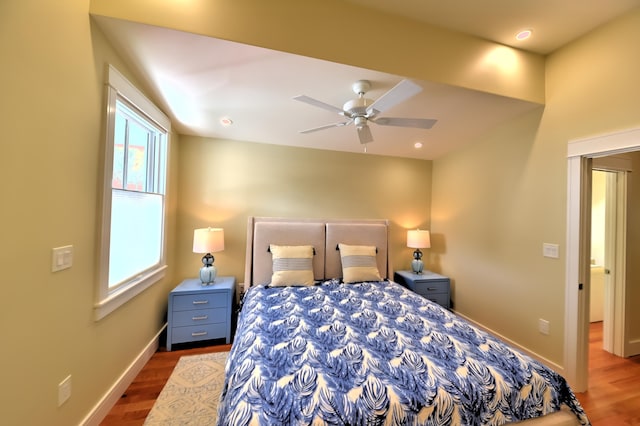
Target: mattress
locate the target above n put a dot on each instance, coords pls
(376, 353)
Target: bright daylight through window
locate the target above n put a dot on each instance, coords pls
(132, 251)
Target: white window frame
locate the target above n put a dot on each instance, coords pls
(109, 299)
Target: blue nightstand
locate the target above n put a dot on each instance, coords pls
(199, 312)
(428, 284)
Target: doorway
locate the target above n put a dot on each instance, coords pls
(608, 248)
(580, 159)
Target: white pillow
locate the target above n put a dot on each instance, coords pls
(292, 265)
(359, 263)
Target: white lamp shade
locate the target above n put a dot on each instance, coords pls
(417, 238)
(208, 240)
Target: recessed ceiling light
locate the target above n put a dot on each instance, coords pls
(523, 35)
(417, 145)
(226, 121)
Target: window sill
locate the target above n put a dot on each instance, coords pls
(118, 298)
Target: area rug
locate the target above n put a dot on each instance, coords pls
(191, 394)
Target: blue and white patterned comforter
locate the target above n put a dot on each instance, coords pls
(375, 353)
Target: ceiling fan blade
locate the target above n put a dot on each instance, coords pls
(327, 126)
(364, 134)
(317, 103)
(420, 123)
(400, 92)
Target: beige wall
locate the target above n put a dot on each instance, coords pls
(223, 182)
(494, 230)
(493, 204)
(51, 109)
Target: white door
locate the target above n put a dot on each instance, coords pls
(608, 247)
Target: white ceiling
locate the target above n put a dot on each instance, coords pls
(200, 80)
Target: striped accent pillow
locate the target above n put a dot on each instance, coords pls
(359, 263)
(292, 265)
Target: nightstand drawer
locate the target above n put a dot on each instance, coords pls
(198, 332)
(429, 285)
(426, 288)
(199, 301)
(441, 299)
(200, 316)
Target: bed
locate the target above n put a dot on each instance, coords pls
(324, 337)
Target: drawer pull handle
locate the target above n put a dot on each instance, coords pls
(200, 302)
(198, 333)
(200, 318)
(432, 288)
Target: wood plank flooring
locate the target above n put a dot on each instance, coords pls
(613, 398)
(134, 406)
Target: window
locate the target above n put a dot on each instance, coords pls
(132, 243)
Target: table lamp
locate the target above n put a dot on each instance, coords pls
(208, 240)
(418, 239)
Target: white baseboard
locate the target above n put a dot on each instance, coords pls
(109, 399)
(555, 367)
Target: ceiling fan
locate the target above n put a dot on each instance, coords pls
(361, 111)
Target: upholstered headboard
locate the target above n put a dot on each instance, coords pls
(323, 235)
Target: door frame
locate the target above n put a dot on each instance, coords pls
(580, 153)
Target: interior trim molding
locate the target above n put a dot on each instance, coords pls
(580, 153)
(109, 399)
(605, 145)
(554, 366)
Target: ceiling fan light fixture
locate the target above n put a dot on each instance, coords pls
(360, 122)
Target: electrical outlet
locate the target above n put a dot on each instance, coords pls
(64, 390)
(543, 326)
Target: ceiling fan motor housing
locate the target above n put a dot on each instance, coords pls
(357, 107)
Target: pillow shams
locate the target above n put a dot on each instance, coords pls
(359, 263)
(292, 265)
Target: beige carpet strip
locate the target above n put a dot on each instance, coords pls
(191, 394)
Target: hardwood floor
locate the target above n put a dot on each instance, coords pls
(613, 398)
(134, 406)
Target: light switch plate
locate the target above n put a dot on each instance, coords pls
(64, 390)
(550, 250)
(61, 258)
(543, 326)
